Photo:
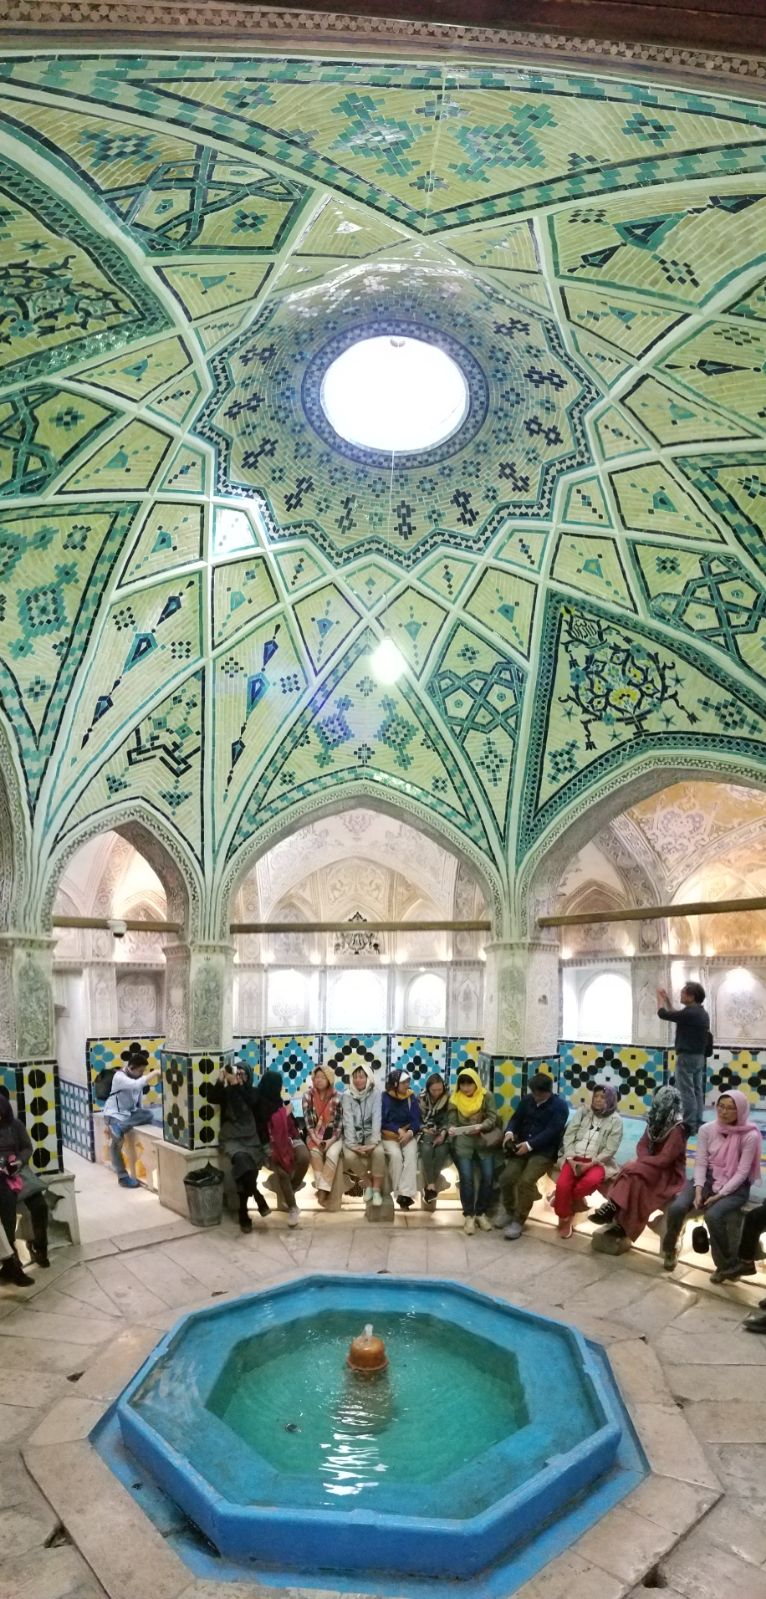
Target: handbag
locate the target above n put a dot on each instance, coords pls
(700, 1240)
(493, 1139)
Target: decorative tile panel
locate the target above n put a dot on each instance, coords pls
(76, 1118)
(345, 1051)
(420, 1057)
(634, 1073)
(105, 1054)
(35, 1094)
(294, 1057)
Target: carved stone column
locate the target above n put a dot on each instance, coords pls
(198, 1039)
(27, 1042)
(650, 972)
(521, 998)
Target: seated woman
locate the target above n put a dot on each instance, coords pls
(323, 1114)
(19, 1184)
(435, 1152)
(655, 1176)
(239, 1140)
(284, 1151)
(728, 1161)
(363, 1156)
(473, 1113)
(400, 1125)
(591, 1141)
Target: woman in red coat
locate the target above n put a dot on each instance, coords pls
(658, 1172)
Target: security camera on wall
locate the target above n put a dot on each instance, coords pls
(118, 929)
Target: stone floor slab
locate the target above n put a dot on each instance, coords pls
(127, 1555)
(625, 1544)
(677, 1506)
(735, 1421)
(733, 1525)
(73, 1417)
(700, 1570)
(670, 1445)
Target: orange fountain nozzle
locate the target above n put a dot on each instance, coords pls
(367, 1353)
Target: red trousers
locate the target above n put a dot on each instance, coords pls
(570, 1188)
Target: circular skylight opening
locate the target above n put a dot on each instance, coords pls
(395, 394)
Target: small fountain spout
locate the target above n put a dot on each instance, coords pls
(367, 1353)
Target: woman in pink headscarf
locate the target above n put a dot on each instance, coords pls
(728, 1161)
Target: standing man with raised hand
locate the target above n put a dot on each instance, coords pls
(692, 1037)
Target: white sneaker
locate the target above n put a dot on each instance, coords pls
(484, 1223)
(369, 1196)
(469, 1226)
(377, 1197)
(293, 1216)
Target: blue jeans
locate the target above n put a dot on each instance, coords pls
(120, 1125)
(690, 1082)
(469, 1168)
(716, 1219)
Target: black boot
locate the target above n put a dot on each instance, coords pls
(264, 1208)
(245, 1223)
(11, 1271)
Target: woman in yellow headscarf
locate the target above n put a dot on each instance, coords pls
(473, 1113)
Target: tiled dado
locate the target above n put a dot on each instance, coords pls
(106, 1053)
(36, 1097)
(187, 1117)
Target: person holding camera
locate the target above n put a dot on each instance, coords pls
(235, 1095)
(123, 1108)
(18, 1184)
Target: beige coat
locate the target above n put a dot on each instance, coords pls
(597, 1137)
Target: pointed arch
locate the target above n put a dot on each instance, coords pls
(407, 810)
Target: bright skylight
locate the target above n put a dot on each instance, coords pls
(394, 393)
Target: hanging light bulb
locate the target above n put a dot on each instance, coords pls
(387, 661)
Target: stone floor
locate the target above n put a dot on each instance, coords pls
(694, 1381)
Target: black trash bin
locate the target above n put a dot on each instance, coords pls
(204, 1195)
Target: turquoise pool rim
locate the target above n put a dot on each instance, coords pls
(361, 1540)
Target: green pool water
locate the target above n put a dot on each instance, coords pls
(446, 1396)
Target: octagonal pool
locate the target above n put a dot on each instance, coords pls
(488, 1426)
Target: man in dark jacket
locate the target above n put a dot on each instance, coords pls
(532, 1142)
(692, 1029)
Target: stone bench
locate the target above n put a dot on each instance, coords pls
(63, 1225)
(139, 1148)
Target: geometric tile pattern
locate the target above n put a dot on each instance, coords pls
(738, 1068)
(35, 1094)
(420, 1057)
(105, 1054)
(634, 1073)
(188, 1119)
(76, 1118)
(186, 243)
(344, 1052)
(295, 1058)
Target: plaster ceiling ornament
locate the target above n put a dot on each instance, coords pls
(356, 942)
(196, 569)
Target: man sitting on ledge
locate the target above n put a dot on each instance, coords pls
(531, 1142)
(123, 1109)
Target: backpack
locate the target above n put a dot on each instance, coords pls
(709, 1045)
(102, 1084)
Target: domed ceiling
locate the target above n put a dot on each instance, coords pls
(195, 567)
